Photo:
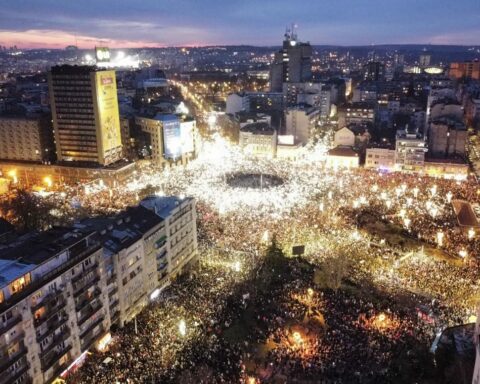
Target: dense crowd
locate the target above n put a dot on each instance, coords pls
(425, 284)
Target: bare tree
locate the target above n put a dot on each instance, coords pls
(27, 211)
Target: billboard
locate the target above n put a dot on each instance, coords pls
(102, 54)
(108, 129)
(172, 148)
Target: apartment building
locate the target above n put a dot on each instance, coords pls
(63, 289)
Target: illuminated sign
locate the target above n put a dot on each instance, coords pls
(172, 148)
(108, 130)
(102, 54)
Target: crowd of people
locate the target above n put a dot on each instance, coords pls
(422, 285)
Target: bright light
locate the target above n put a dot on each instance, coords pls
(310, 292)
(471, 234)
(237, 267)
(13, 174)
(48, 181)
(297, 337)
(463, 253)
(155, 294)
(440, 236)
(104, 341)
(182, 328)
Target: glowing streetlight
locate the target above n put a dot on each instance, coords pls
(182, 328)
(463, 253)
(407, 222)
(310, 292)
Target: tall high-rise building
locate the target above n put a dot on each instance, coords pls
(85, 114)
(424, 60)
(374, 71)
(293, 63)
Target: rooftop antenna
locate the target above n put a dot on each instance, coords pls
(294, 31)
(287, 33)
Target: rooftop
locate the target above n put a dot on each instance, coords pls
(260, 128)
(162, 205)
(343, 151)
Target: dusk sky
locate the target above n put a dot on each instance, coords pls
(122, 23)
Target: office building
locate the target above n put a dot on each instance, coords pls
(171, 138)
(292, 63)
(85, 115)
(374, 71)
(424, 60)
(26, 139)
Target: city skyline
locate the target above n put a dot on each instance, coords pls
(51, 24)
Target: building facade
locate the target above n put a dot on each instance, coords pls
(62, 290)
(380, 158)
(410, 149)
(85, 114)
(25, 139)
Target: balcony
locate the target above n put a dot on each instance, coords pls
(91, 339)
(79, 306)
(52, 357)
(57, 339)
(114, 304)
(52, 326)
(85, 271)
(10, 360)
(112, 292)
(10, 324)
(12, 377)
(48, 299)
(92, 309)
(53, 311)
(82, 288)
(112, 279)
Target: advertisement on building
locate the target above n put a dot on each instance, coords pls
(172, 148)
(102, 54)
(108, 116)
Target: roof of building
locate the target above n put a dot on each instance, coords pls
(13, 269)
(35, 248)
(121, 231)
(162, 205)
(260, 128)
(166, 117)
(66, 69)
(343, 151)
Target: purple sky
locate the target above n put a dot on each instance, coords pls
(133, 23)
